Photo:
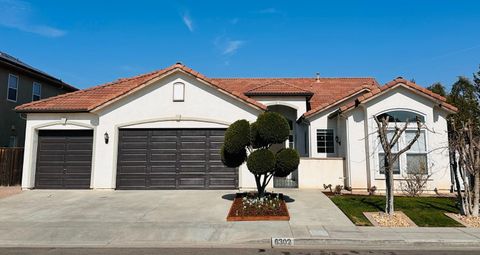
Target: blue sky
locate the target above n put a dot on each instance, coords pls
(86, 43)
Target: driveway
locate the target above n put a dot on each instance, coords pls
(151, 218)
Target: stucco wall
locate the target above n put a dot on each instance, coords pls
(313, 173)
(151, 107)
(363, 141)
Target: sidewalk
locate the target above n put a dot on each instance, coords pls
(166, 219)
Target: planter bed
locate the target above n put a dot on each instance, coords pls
(247, 207)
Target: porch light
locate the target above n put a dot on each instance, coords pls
(106, 137)
(337, 140)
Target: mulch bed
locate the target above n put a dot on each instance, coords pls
(381, 219)
(248, 207)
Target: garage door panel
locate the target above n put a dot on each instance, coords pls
(163, 170)
(168, 157)
(167, 182)
(45, 170)
(64, 159)
(172, 145)
(133, 169)
(175, 159)
(191, 182)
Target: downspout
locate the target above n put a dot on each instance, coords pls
(367, 147)
(347, 153)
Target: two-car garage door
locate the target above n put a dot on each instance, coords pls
(147, 159)
(172, 159)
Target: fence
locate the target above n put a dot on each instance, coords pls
(11, 161)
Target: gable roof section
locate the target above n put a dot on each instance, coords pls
(442, 101)
(326, 91)
(94, 98)
(278, 88)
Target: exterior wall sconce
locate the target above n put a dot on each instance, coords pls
(106, 137)
(337, 140)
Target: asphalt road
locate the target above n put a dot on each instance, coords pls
(219, 251)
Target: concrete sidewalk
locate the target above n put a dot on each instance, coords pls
(45, 218)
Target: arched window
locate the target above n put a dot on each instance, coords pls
(401, 116)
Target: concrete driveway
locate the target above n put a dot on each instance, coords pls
(152, 218)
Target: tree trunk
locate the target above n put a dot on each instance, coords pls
(260, 187)
(476, 194)
(389, 187)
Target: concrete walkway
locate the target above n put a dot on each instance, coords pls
(191, 218)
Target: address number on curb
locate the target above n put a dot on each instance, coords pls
(282, 241)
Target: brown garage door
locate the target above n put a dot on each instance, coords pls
(64, 159)
(173, 159)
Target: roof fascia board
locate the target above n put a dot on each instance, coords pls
(98, 108)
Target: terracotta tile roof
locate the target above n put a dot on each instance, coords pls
(395, 83)
(326, 91)
(92, 98)
(278, 88)
(323, 92)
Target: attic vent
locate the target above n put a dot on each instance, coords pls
(317, 79)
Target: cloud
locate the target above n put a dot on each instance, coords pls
(227, 46)
(188, 21)
(232, 46)
(18, 15)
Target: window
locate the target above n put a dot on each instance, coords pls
(12, 91)
(178, 92)
(381, 156)
(325, 142)
(413, 161)
(417, 155)
(396, 165)
(36, 91)
(400, 116)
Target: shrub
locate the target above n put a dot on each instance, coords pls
(272, 127)
(237, 136)
(255, 140)
(286, 161)
(261, 161)
(235, 159)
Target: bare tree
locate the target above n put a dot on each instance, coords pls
(391, 157)
(466, 148)
(415, 182)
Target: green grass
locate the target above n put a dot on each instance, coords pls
(424, 211)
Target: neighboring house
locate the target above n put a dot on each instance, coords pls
(20, 84)
(164, 130)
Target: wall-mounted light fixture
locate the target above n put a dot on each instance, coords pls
(106, 137)
(337, 140)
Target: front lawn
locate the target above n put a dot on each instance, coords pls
(424, 211)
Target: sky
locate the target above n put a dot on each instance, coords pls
(86, 43)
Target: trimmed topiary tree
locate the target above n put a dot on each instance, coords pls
(257, 138)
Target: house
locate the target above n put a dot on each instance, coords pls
(21, 83)
(164, 130)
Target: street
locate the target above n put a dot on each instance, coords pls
(221, 251)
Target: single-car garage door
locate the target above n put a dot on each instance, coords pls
(64, 159)
(173, 159)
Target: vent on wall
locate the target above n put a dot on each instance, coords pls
(178, 92)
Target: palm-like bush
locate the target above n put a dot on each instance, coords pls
(257, 138)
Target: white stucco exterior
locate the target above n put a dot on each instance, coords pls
(353, 163)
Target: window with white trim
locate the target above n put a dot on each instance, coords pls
(36, 91)
(416, 157)
(325, 141)
(414, 160)
(381, 156)
(178, 92)
(12, 90)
